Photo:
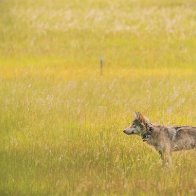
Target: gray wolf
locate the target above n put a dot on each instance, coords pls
(165, 139)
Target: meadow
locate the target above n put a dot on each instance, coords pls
(61, 122)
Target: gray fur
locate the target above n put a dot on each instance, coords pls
(165, 139)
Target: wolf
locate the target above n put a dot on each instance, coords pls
(165, 139)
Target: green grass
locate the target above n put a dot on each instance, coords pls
(61, 122)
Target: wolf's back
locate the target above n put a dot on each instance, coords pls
(185, 138)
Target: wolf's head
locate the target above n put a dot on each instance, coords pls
(139, 125)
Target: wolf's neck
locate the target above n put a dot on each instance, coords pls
(148, 125)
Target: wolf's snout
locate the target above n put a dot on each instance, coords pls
(126, 131)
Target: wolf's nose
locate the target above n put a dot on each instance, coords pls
(124, 131)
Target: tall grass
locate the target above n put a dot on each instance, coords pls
(61, 123)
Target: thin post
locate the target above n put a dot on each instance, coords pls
(101, 61)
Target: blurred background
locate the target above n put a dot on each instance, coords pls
(72, 74)
(142, 33)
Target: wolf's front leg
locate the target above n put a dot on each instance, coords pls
(166, 157)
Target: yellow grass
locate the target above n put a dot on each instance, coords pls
(61, 122)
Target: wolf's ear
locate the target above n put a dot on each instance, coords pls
(137, 114)
(140, 116)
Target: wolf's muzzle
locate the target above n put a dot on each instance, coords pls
(128, 131)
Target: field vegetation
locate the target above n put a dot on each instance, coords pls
(61, 122)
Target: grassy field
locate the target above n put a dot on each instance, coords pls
(61, 122)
